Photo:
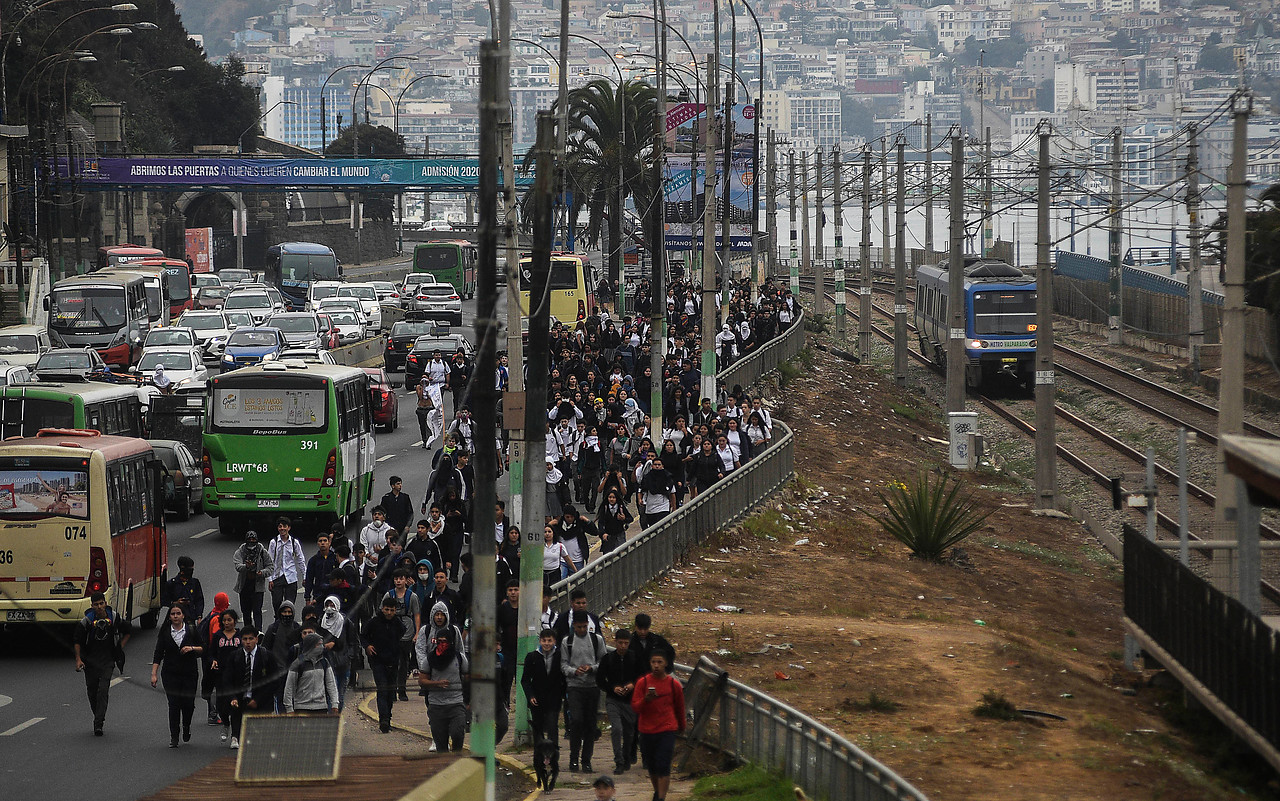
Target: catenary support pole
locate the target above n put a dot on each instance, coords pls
(1046, 445)
(886, 245)
(929, 257)
(793, 260)
(1115, 331)
(955, 278)
(707, 383)
(819, 226)
(900, 343)
(726, 198)
(1195, 294)
(806, 255)
(771, 206)
(988, 215)
(837, 211)
(864, 257)
(658, 281)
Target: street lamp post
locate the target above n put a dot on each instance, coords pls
(357, 217)
(324, 117)
(755, 158)
(174, 68)
(241, 217)
(395, 117)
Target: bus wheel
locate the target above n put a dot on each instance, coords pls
(227, 526)
(149, 619)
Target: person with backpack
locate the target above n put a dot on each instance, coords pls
(208, 630)
(543, 683)
(99, 639)
(410, 612)
(582, 651)
(310, 685)
(444, 672)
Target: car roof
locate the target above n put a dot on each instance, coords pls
(257, 329)
(303, 247)
(23, 330)
(201, 313)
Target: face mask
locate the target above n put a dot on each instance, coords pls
(424, 576)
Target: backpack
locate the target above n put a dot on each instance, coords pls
(595, 643)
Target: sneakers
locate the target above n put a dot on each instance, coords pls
(431, 747)
(384, 727)
(573, 766)
(173, 743)
(97, 731)
(213, 719)
(586, 767)
(225, 734)
(235, 743)
(186, 734)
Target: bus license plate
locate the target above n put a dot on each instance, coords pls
(269, 504)
(20, 616)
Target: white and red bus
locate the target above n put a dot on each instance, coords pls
(80, 513)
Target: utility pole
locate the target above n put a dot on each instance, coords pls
(1046, 433)
(535, 405)
(988, 215)
(886, 252)
(793, 263)
(771, 206)
(955, 278)
(928, 189)
(658, 281)
(819, 274)
(1115, 307)
(1195, 294)
(806, 258)
(708, 376)
(562, 132)
(838, 210)
(426, 196)
(726, 274)
(484, 612)
(864, 255)
(900, 344)
(1231, 385)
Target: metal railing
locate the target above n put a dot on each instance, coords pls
(749, 369)
(751, 726)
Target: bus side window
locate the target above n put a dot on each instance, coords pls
(12, 421)
(115, 496)
(133, 416)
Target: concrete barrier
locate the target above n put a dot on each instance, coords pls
(461, 781)
(365, 353)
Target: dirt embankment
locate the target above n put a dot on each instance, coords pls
(834, 612)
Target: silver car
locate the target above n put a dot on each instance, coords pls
(211, 329)
(439, 301)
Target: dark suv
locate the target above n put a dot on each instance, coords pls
(399, 343)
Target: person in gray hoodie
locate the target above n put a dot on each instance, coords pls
(440, 620)
(581, 653)
(446, 669)
(310, 685)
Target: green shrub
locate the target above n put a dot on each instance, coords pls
(877, 703)
(929, 517)
(747, 783)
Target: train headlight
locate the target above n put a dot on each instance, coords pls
(977, 343)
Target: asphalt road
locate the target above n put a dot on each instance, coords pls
(44, 712)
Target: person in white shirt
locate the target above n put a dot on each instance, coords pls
(437, 370)
(728, 459)
(289, 563)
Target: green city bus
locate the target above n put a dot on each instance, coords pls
(286, 438)
(25, 409)
(451, 262)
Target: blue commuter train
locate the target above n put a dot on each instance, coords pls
(1000, 320)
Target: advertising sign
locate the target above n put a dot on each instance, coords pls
(200, 249)
(684, 209)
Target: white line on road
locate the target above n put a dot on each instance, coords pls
(118, 679)
(204, 533)
(384, 458)
(20, 727)
(417, 444)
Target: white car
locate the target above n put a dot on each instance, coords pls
(255, 301)
(23, 344)
(14, 374)
(439, 301)
(350, 324)
(369, 304)
(409, 287)
(387, 291)
(170, 336)
(211, 329)
(183, 365)
(320, 290)
(204, 279)
(308, 355)
(238, 319)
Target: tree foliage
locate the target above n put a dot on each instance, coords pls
(1217, 58)
(999, 52)
(376, 141)
(1262, 251)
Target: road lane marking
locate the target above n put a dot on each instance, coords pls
(417, 444)
(388, 456)
(20, 727)
(204, 533)
(5, 700)
(118, 679)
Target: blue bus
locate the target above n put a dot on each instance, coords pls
(1000, 320)
(293, 266)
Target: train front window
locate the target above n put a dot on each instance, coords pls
(1010, 312)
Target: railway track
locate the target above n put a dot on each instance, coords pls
(1101, 476)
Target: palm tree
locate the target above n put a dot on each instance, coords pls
(609, 148)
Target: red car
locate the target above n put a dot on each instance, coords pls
(386, 407)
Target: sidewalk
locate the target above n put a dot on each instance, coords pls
(411, 717)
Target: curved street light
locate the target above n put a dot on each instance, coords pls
(324, 117)
(395, 106)
(755, 155)
(41, 65)
(174, 68)
(364, 80)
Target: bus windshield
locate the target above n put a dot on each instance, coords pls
(179, 284)
(1012, 312)
(298, 269)
(37, 487)
(19, 343)
(255, 408)
(436, 259)
(564, 274)
(89, 309)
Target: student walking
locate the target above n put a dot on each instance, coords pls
(176, 660)
(99, 639)
(658, 700)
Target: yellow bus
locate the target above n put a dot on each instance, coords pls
(569, 287)
(80, 513)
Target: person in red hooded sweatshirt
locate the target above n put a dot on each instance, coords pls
(209, 627)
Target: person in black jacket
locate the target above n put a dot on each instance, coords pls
(612, 520)
(616, 677)
(544, 687)
(253, 681)
(184, 589)
(645, 643)
(381, 637)
(99, 639)
(398, 507)
(177, 659)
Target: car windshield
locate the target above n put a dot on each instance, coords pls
(361, 292)
(234, 276)
(344, 318)
(166, 336)
(319, 293)
(248, 301)
(19, 343)
(207, 280)
(439, 291)
(350, 304)
(64, 361)
(403, 329)
(293, 325)
(217, 291)
(203, 322)
(168, 360)
(238, 318)
(250, 339)
(304, 355)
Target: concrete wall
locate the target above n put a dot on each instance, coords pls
(461, 781)
(377, 240)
